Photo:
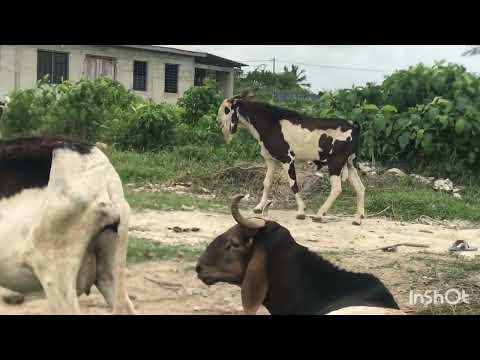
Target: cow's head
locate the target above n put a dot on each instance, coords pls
(228, 115)
(238, 257)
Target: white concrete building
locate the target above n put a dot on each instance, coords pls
(155, 72)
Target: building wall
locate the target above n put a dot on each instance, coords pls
(18, 68)
(7, 69)
(225, 80)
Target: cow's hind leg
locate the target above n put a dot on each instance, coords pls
(356, 183)
(335, 168)
(267, 183)
(111, 252)
(292, 178)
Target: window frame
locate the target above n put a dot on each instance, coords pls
(52, 69)
(145, 80)
(114, 61)
(196, 77)
(166, 88)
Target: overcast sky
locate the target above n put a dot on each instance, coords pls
(370, 62)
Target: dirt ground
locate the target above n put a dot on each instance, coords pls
(171, 287)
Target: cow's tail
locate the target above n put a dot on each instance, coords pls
(352, 159)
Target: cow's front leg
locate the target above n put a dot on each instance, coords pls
(289, 168)
(267, 183)
(57, 271)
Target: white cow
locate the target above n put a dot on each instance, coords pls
(63, 223)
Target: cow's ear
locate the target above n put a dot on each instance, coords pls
(236, 103)
(255, 282)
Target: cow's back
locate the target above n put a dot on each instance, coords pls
(25, 163)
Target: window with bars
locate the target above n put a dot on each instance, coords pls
(171, 78)
(52, 64)
(200, 75)
(140, 75)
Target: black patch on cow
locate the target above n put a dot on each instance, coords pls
(227, 110)
(112, 227)
(275, 113)
(292, 174)
(234, 126)
(336, 163)
(25, 163)
(319, 164)
(295, 187)
(325, 146)
(265, 118)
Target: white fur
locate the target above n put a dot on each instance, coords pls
(335, 191)
(305, 143)
(366, 310)
(17, 214)
(48, 237)
(356, 183)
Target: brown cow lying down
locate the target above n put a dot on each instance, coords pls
(63, 223)
(272, 269)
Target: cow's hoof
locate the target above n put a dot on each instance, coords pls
(301, 217)
(317, 219)
(257, 211)
(13, 299)
(355, 222)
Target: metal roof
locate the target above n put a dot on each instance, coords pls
(164, 49)
(210, 59)
(200, 57)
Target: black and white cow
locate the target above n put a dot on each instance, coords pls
(285, 136)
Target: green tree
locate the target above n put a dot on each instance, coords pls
(296, 76)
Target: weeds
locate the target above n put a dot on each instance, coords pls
(141, 250)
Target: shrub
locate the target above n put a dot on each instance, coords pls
(78, 109)
(21, 117)
(148, 126)
(199, 101)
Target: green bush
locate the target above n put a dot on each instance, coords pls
(78, 109)
(103, 110)
(205, 131)
(199, 101)
(148, 126)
